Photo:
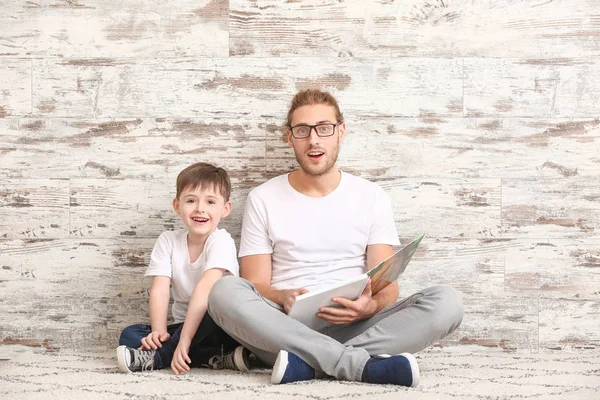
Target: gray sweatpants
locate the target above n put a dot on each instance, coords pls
(340, 351)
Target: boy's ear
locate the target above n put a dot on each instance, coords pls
(227, 209)
(176, 205)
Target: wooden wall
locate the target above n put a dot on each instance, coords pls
(480, 118)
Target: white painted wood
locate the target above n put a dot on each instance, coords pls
(134, 148)
(415, 28)
(558, 268)
(551, 208)
(480, 119)
(381, 148)
(254, 88)
(129, 28)
(34, 208)
(15, 87)
(569, 325)
(565, 88)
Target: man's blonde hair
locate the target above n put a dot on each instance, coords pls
(309, 97)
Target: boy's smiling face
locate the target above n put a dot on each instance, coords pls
(201, 210)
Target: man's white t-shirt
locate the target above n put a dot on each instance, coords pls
(170, 257)
(316, 241)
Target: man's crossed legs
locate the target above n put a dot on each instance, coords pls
(340, 351)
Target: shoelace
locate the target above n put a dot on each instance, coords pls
(223, 361)
(144, 359)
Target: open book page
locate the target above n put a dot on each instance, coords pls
(307, 305)
(390, 269)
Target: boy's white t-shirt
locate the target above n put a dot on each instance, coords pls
(170, 257)
(316, 241)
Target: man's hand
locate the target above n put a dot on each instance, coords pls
(154, 340)
(181, 359)
(288, 296)
(362, 308)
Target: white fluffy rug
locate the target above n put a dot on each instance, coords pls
(31, 373)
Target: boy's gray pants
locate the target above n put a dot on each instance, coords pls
(340, 351)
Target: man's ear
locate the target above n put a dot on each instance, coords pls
(342, 130)
(176, 206)
(227, 209)
(288, 137)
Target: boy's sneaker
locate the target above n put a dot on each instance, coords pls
(238, 359)
(396, 370)
(133, 360)
(290, 368)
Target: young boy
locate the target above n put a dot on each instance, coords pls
(190, 261)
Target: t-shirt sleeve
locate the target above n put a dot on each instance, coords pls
(255, 234)
(160, 260)
(221, 254)
(383, 227)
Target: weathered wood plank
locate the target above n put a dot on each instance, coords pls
(555, 269)
(96, 28)
(254, 89)
(532, 88)
(45, 259)
(34, 208)
(473, 267)
(458, 148)
(128, 148)
(76, 289)
(415, 28)
(496, 323)
(125, 311)
(15, 84)
(569, 325)
(445, 208)
(36, 311)
(551, 208)
(103, 208)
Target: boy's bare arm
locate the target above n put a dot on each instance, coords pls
(158, 305)
(195, 313)
(257, 270)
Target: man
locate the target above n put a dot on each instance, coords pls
(316, 226)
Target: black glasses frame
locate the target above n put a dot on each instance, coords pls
(311, 127)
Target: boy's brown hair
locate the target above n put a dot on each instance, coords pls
(309, 97)
(204, 175)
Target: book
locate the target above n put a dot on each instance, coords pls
(307, 305)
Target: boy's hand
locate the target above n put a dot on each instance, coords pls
(154, 340)
(181, 360)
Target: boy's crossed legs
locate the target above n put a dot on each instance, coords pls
(210, 347)
(341, 351)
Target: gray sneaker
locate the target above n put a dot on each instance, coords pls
(237, 359)
(134, 360)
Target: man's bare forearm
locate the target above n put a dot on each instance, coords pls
(270, 293)
(386, 297)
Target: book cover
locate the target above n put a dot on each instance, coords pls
(390, 269)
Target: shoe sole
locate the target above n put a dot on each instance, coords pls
(279, 367)
(122, 359)
(240, 357)
(414, 366)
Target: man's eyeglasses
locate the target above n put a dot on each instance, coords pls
(322, 130)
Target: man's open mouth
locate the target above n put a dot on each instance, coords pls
(315, 155)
